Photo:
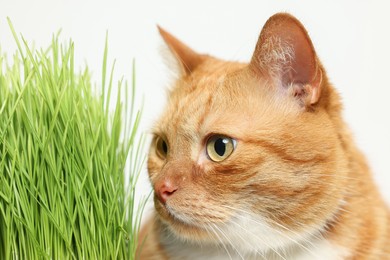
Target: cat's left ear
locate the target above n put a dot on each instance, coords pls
(285, 53)
(186, 58)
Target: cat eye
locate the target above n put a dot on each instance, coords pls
(161, 147)
(220, 147)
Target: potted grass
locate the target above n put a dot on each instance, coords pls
(69, 158)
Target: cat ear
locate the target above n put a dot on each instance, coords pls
(285, 52)
(187, 58)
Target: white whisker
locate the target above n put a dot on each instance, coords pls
(220, 240)
(250, 232)
(228, 240)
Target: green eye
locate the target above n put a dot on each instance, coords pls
(161, 147)
(219, 147)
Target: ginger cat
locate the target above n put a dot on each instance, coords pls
(254, 161)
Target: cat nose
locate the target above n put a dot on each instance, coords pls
(164, 190)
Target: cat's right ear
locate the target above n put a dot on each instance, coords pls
(186, 58)
(285, 53)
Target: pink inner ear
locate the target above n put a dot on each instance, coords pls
(304, 69)
(285, 50)
(303, 63)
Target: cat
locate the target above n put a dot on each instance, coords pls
(254, 161)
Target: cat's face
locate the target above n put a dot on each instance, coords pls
(236, 159)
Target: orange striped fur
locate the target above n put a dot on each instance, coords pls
(295, 185)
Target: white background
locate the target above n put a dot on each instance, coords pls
(352, 38)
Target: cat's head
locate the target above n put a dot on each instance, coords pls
(249, 154)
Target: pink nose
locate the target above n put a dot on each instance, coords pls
(164, 190)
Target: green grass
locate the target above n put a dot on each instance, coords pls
(64, 152)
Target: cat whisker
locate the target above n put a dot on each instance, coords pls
(228, 240)
(211, 226)
(212, 233)
(250, 232)
(304, 226)
(304, 239)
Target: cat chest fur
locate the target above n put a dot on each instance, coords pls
(319, 250)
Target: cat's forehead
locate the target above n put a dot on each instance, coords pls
(218, 98)
(209, 76)
(194, 98)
